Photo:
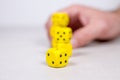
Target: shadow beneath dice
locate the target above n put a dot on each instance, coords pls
(44, 63)
(71, 64)
(78, 54)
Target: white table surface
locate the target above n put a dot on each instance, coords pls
(22, 57)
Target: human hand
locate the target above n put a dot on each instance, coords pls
(89, 24)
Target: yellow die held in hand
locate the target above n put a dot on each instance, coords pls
(57, 57)
(60, 18)
(62, 35)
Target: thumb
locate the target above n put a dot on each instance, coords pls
(84, 35)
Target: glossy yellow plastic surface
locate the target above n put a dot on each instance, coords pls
(57, 57)
(61, 19)
(62, 35)
(66, 46)
(53, 28)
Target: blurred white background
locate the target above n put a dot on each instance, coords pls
(35, 12)
(23, 44)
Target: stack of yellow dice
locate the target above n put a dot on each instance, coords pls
(61, 50)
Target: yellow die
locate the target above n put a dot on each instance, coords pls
(57, 57)
(53, 28)
(66, 46)
(54, 44)
(60, 18)
(62, 35)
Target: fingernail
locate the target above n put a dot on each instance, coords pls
(74, 43)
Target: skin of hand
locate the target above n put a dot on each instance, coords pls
(90, 24)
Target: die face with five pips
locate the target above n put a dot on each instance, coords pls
(62, 35)
(56, 57)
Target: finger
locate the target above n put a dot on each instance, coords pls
(85, 35)
(74, 12)
(48, 25)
